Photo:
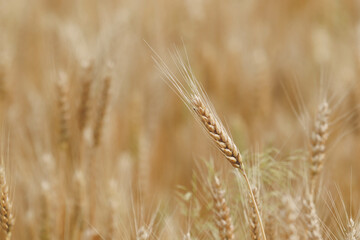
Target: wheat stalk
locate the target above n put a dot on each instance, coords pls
(318, 141)
(7, 219)
(222, 212)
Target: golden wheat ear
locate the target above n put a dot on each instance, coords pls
(218, 133)
(7, 219)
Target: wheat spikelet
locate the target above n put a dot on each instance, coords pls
(318, 140)
(63, 105)
(101, 110)
(311, 218)
(84, 107)
(289, 215)
(7, 219)
(253, 220)
(222, 212)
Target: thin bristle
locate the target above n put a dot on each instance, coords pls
(222, 212)
(7, 219)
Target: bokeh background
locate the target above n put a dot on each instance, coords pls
(265, 65)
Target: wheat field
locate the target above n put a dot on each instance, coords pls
(179, 119)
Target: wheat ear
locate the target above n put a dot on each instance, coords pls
(222, 212)
(63, 105)
(290, 215)
(84, 106)
(7, 219)
(270, 231)
(101, 110)
(312, 219)
(253, 220)
(318, 141)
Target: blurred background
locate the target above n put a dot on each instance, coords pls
(265, 65)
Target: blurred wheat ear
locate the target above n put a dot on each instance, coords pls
(318, 142)
(7, 219)
(223, 220)
(101, 110)
(311, 218)
(84, 107)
